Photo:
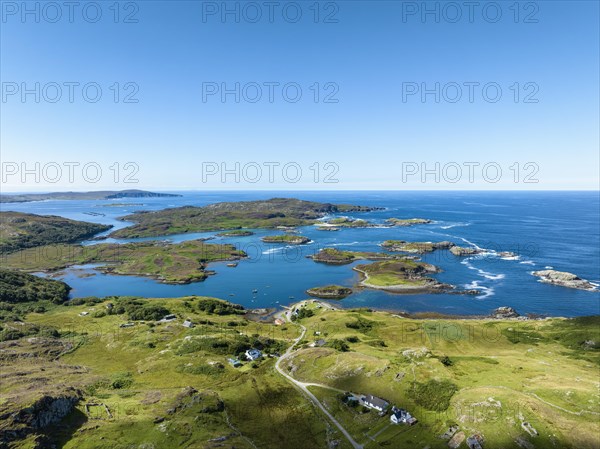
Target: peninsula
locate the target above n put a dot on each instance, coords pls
(96, 195)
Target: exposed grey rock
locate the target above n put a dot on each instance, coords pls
(564, 279)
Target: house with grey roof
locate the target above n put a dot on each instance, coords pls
(375, 403)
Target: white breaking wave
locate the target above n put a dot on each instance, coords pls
(528, 262)
(455, 225)
(486, 291)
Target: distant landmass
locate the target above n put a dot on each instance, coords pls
(98, 195)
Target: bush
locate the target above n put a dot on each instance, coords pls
(338, 345)
(120, 381)
(352, 339)
(361, 324)
(446, 361)
(303, 313)
(218, 307)
(434, 395)
(376, 343)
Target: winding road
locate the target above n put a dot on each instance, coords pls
(303, 386)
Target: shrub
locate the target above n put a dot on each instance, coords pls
(338, 345)
(361, 324)
(446, 361)
(121, 380)
(434, 395)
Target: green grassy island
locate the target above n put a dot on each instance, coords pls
(329, 292)
(236, 233)
(287, 238)
(334, 256)
(415, 247)
(268, 214)
(401, 276)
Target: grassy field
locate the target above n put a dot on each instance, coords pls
(502, 373)
(169, 386)
(144, 375)
(170, 263)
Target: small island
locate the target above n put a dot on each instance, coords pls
(401, 276)
(348, 222)
(462, 252)
(407, 221)
(415, 247)
(236, 233)
(289, 239)
(333, 256)
(330, 292)
(564, 279)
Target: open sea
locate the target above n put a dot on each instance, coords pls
(559, 230)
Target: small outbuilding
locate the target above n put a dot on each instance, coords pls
(253, 354)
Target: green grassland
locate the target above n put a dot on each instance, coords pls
(544, 372)
(268, 214)
(145, 375)
(19, 230)
(168, 386)
(170, 263)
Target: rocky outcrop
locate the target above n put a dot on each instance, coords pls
(47, 410)
(461, 251)
(407, 221)
(504, 312)
(564, 279)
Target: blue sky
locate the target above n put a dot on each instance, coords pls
(372, 137)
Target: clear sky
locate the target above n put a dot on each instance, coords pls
(374, 58)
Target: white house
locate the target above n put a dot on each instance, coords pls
(253, 354)
(399, 415)
(375, 403)
(188, 323)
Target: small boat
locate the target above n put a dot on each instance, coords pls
(233, 265)
(255, 291)
(292, 297)
(231, 294)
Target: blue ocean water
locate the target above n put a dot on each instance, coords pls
(545, 229)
